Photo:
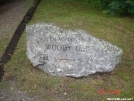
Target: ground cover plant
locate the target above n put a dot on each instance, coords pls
(21, 75)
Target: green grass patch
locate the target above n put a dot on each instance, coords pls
(4, 41)
(70, 14)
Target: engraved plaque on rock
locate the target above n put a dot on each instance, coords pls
(63, 53)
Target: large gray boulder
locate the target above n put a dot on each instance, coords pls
(63, 53)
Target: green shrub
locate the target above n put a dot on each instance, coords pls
(120, 7)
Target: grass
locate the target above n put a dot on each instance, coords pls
(4, 42)
(70, 14)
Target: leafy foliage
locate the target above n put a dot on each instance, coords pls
(121, 7)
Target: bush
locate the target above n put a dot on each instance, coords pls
(121, 7)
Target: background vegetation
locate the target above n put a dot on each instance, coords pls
(114, 7)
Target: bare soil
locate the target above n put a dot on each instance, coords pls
(11, 14)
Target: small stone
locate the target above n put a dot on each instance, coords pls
(65, 93)
(60, 52)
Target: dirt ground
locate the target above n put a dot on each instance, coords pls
(10, 16)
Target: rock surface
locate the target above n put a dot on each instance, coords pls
(63, 53)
